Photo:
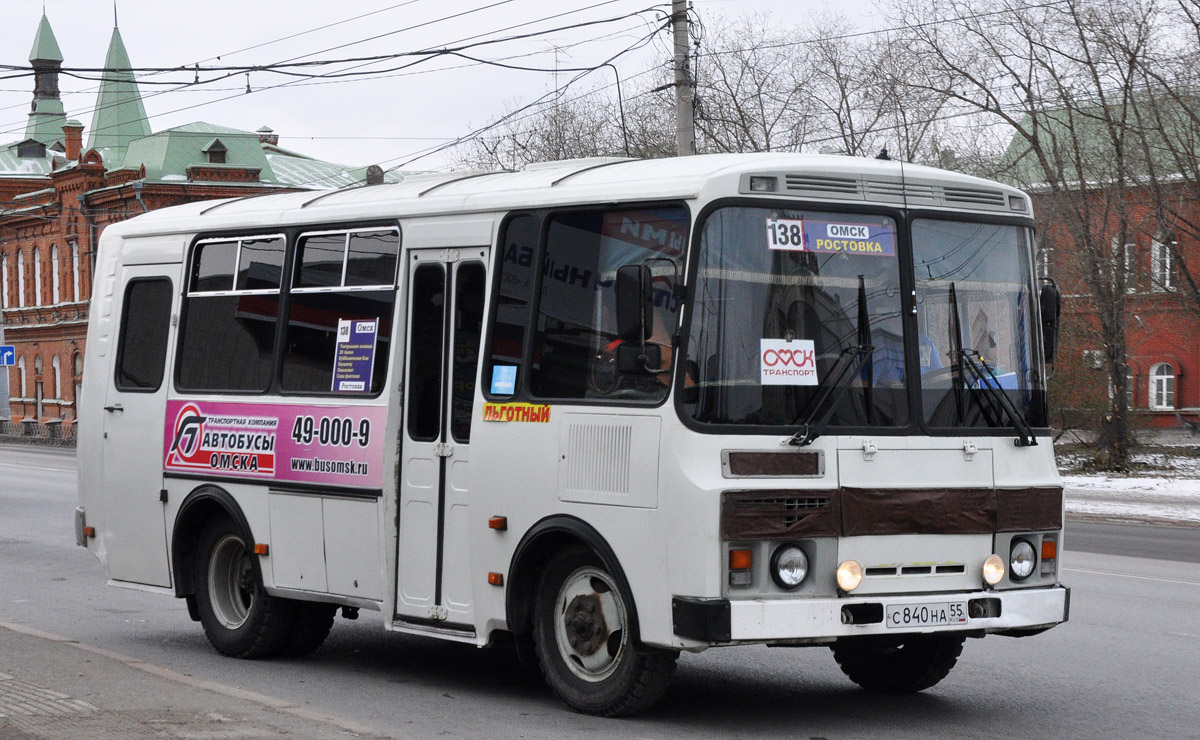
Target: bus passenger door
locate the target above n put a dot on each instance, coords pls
(133, 523)
(445, 319)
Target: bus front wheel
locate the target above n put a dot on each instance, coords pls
(584, 643)
(900, 665)
(239, 618)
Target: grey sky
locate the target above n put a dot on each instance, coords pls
(387, 118)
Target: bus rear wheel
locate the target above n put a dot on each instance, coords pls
(585, 645)
(904, 664)
(239, 618)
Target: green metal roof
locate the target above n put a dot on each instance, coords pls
(46, 121)
(299, 171)
(168, 154)
(13, 166)
(120, 117)
(45, 46)
(1079, 143)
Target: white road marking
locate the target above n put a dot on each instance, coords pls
(1130, 575)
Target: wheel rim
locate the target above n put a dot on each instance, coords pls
(231, 583)
(590, 625)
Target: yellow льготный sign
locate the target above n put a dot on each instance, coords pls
(530, 412)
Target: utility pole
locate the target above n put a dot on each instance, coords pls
(685, 127)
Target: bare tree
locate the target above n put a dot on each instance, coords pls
(753, 88)
(1064, 78)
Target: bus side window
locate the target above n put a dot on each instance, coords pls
(577, 323)
(514, 299)
(145, 319)
(227, 334)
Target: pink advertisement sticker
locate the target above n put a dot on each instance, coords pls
(332, 445)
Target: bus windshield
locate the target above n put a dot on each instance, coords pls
(788, 302)
(974, 292)
(798, 319)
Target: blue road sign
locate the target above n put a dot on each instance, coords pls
(8, 355)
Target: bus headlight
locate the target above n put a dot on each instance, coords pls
(849, 575)
(993, 569)
(1021, 560)
(789, 566)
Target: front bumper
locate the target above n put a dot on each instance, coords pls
(771, 620)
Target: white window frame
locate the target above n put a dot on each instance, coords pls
(1043, 258)
(20, 283)
(4, 281)
(1162, 386)
(75, 271)
(1161, 265)
(1129, 255)
(37, 276)
(57, 365)
(55, 294)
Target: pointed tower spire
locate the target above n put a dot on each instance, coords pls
(46, 116)
(120, 117)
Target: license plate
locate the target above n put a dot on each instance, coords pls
(926, 615)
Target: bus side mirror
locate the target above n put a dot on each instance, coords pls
(1051, 304)
(635, 303)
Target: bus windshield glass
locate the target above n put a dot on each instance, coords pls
(797, 316)
(975, 322)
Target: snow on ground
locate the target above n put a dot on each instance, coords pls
(1162, 486)
(1175, 500)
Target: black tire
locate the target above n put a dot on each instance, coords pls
(605, 672)
(239, 618)
(309, 628)
(904, 664)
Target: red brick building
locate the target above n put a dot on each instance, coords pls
(57, 195)
(1162, 322)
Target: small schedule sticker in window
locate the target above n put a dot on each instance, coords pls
(354, 358)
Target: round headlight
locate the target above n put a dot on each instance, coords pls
(1021, 560)
(789, 566)
(849, 575)
(993, 569)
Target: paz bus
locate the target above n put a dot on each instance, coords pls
(614, 409)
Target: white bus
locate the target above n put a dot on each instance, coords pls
(617, 409)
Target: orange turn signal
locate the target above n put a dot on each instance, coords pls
(496, 579)
(261, 549)
(1049, 549)
(498, 523)
(89, 531)
(740, 559)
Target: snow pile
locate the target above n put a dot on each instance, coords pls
(1137, 498)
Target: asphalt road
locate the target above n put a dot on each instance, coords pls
(1134, 540)
(1126, 666)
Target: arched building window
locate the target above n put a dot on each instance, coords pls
(75, 271)
(20, 281)
(21, 375)
(37, 276)
(3, 281)
(39, 393)
(55, 295)
(57, 387)
(1162, 386)
(77, 378)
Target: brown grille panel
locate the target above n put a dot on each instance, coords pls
(764, 515)
(770, 464)
(852, 512)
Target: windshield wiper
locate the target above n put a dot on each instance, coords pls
(849, 362)
(985, 380)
